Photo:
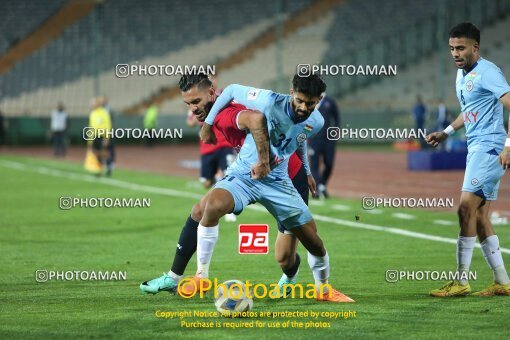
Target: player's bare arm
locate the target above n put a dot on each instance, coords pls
(435, 138)
(312, 185)
(256, 123)
(207, 135)
(504, 157)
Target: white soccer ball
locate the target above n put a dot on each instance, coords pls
(231, 298)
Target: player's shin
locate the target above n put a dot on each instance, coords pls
(206, 240)
(492, 254)
(465, 246)
(320, 269)
(292, 270)
(185, 248)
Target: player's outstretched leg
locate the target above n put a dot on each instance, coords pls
(288, 258)
(467, 211)
(218, 203)
(318, 260)
(492, 253)
(186, 247)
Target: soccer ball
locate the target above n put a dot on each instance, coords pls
(231, 300)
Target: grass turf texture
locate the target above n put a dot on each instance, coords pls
(36, 234)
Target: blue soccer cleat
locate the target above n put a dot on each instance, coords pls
(163, 283)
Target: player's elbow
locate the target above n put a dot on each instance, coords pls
(253, 120)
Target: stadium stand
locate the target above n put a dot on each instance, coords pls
(131, 31)
(13, 28)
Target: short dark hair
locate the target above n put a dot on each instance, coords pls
(312, 85)
(465, 30)
(187, 81)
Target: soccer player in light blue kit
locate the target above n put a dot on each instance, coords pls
(291, 120)
(482, 91)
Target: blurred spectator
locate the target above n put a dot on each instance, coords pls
(150, 121)
(419, 111)
(58, 130)
(99, 120)
(442, 120)
(321, 148)
(2, 129)
(110, 150)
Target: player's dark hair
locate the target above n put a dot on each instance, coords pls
(465, 30)
(312, 85)
(187, 81)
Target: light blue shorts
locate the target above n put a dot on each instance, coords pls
(483, 174)
(276, 194)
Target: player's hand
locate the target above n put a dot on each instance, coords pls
(435, 138)
(260, 170)
(312, 186)
(504, 158)
(207, 134)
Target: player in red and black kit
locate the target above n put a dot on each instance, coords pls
(231, 124)
(213, 157)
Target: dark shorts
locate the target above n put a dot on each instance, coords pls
(300, 182)
(97, 144)
(211, 162)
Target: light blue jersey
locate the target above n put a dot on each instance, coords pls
(479, 91)
(276, 191)
(286, 135)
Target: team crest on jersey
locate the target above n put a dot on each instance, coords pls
(469, 85)
(252, 95)
(301, 137)
(474, 181)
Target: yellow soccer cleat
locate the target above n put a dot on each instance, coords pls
(452, 288)
(494, 289)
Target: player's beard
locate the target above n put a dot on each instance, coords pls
(302, 116)
(205, 111)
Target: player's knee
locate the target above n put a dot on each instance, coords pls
(197, 212)
(465, 211)
(215, 207)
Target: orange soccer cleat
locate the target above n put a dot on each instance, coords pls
(190, 286)
(333, 296)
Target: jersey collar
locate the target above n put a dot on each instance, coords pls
(471, 68)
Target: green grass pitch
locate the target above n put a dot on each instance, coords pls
(36, 235)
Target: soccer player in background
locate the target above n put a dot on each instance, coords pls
(482, 91)
(231, 123)
(291, 120)
(321, 148)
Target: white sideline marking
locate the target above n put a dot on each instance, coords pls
(373, 212)
(403, 216)
(181, 194)
(444, 222)
(316, 203)
(341, 207)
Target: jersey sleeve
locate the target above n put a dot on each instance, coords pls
(227, 117)
(250, 97)
(494, 81)
(302, 154)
